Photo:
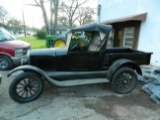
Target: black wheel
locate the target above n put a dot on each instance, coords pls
(5, 63)
(59, 42)
(124, 80)
(26, 87)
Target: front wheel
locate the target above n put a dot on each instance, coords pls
(5, 63)
(26, 87)
(124, 80)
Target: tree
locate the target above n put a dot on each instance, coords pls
(4, 16)
(53, 11)
(62, 20)
(14, 25)
(69, 10)
(85, 15)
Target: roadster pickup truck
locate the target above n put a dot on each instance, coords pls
(78, 65)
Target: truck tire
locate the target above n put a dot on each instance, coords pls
(59, 42)
(5, 63)
(26, 87)
(124, 80)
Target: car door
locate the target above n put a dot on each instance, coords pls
(85, 60)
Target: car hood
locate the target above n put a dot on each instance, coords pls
(49, 52)
(15, 44)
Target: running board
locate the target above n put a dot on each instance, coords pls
(65, 83)
(77, 75)
(77, 82)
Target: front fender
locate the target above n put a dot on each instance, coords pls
(37, 70)
(40, 72)
(123, 63)
(27, 68)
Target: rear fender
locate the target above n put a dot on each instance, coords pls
(123, 63)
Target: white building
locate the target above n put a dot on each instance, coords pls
(136, 24)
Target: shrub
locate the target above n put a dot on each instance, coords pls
(41, 34)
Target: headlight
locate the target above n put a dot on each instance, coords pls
(24, 61)
(19, 52)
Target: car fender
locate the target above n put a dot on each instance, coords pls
(123, 63)
(40, 72)
(6, 54)
(27, 68)
(36, 70)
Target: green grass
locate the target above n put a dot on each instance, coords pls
(34, 42)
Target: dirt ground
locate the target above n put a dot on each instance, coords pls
(91, 102)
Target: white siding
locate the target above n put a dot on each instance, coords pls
(149, 37)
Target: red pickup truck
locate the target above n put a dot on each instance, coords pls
(11, 50)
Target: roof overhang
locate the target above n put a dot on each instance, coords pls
(138, 17)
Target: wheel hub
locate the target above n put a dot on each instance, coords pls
(125, 81)
(3, 63)
(27, 87)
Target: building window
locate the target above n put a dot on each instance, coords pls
(128, 38)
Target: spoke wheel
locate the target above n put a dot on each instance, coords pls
(5, 63)
(26, 87)
(124, 80)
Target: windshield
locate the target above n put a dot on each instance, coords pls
(4, 35)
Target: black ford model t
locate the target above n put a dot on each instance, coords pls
(78, 65)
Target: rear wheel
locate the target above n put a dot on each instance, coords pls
(5, 63)
(124, 80)
(59, 43)
(26, 87)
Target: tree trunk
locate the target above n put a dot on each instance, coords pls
(70, 23)
(45, 17)
(51, 17)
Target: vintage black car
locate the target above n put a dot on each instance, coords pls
(78, 65)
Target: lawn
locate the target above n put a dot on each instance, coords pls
(34, 42)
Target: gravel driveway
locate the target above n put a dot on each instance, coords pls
(92, 102)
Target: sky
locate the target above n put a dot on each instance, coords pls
(33, 15)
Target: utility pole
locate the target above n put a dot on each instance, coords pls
(32, 22)
(99, 13)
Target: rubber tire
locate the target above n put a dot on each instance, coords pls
(117, 73)
(10, 63)
(58, 40)
(17, 79)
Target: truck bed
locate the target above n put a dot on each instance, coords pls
(113, 54)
